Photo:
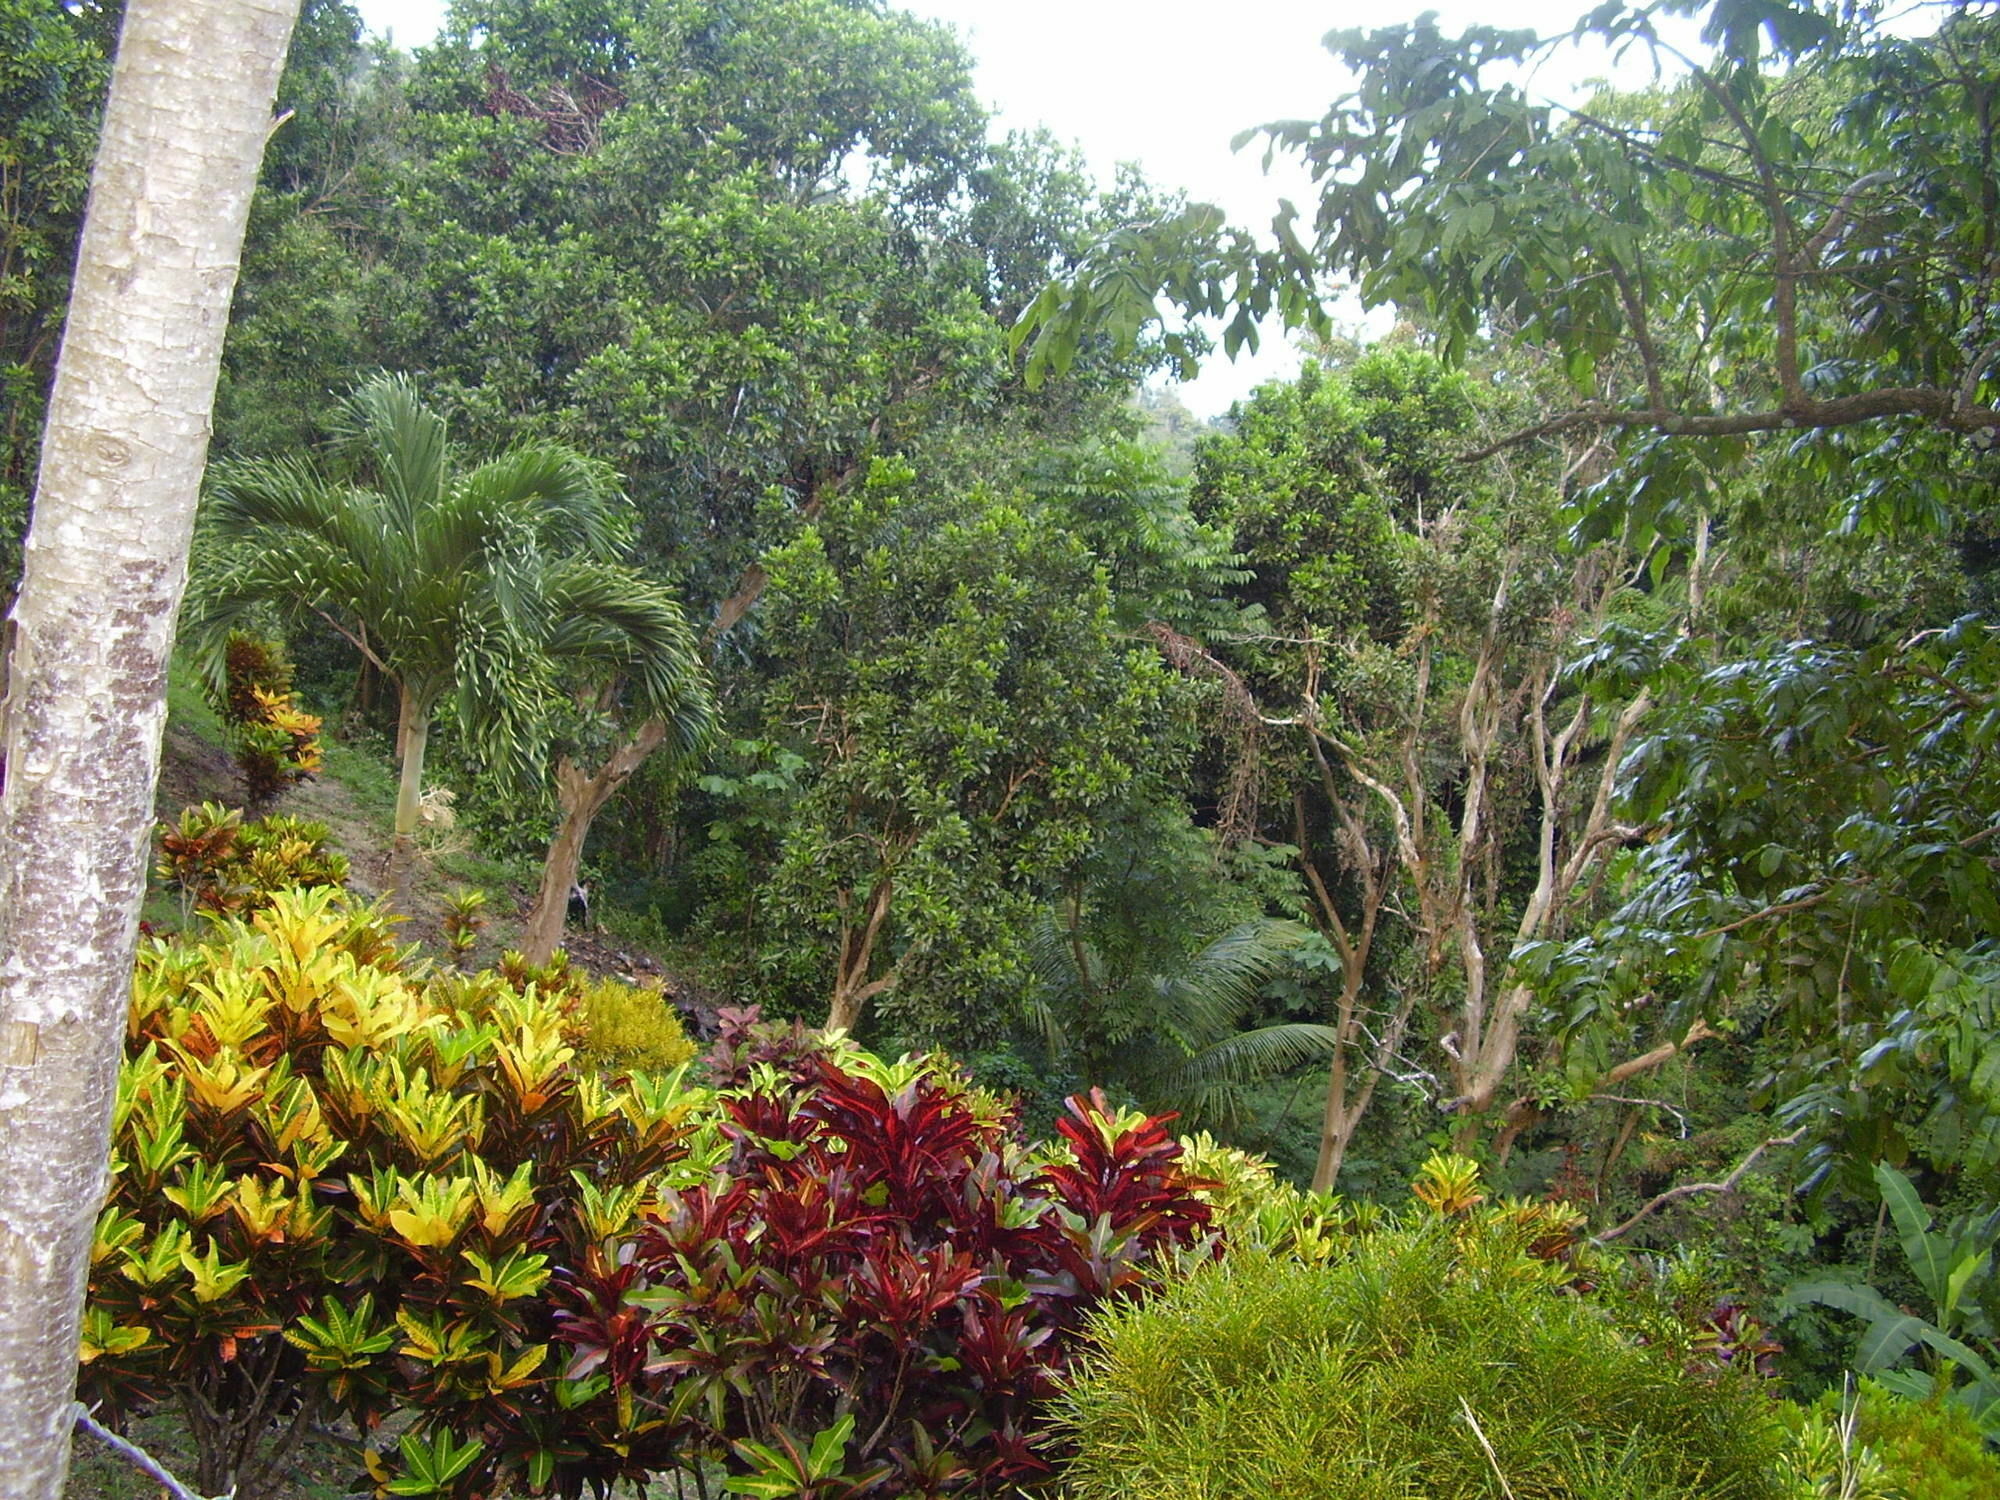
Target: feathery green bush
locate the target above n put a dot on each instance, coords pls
(1895, 1447)
(625, 1026)
(1434, 1360)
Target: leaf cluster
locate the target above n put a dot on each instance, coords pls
(342, 1185)
(884, 1259)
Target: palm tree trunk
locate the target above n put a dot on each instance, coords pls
(413, 732)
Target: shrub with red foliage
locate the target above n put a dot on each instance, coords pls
(884, 1246)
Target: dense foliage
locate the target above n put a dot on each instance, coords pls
(342, 1187)
(1560, 732)
(883, 1256)
(1422, 1358)
(346, 1184)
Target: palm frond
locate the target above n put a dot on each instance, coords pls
(386, 425)
(1203, 1000)
(1202, 1085)
(572, 502)
(1059, 959)
(612, 624)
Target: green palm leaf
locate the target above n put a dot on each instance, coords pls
(492, 591)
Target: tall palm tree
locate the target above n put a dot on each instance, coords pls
(492, 590)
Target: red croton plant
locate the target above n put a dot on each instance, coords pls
(885, 1266)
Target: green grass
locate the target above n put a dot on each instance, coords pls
(188, 707)
(367, 773)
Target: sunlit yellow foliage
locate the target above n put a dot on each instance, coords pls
(625, 1026)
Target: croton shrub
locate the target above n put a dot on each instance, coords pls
(224, 866)
(878, 1292)
(342, 1184)
(349, 1185)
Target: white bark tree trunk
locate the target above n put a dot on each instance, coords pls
(105, 563)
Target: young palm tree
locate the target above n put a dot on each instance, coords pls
(491, 591)
(639, 687)
(1171, 1028)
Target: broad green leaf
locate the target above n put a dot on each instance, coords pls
(1929, 1256)
(1888, 1341)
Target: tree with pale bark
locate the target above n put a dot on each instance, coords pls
(1441, 693)
(91, 631)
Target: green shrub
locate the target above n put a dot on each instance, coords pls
(625, 1026)
(277, 742)
(464, 918)
(221, 864)
(1257, 1210)
(1438, 1359)
(1899, 1449)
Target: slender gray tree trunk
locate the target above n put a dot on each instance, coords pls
(106, 560)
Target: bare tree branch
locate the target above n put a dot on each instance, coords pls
(1933, 403)
(1689, 1189)
(137, 1457)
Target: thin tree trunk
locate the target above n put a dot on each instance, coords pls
(1486, 1067)
(852, 988)
(1336, 1127)
(105, 566)
(582, 797)
(413, 733)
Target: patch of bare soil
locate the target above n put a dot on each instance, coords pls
(192, 770)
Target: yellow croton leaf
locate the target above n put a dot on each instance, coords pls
(432, 1211)
(137, 1080)
(102, 1334)
(223, 1083)
(148, 1263)
(438, 1343)
(502, 1377)
(514, 1275)
(305, 921)
(233, 1008)
(433, 1123)
(370, 1008)
(201, 1191)
(213, 1278)
(501, 1200)
(115, 1230)
(605, 1211)
(264, 1208)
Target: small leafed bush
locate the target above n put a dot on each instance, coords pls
(277, 742)
(219, 863)
(1447, 1357)
(624, 1026)
(463, 919)
(881, 1288)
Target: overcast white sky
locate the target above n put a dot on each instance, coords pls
(1167, 83)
